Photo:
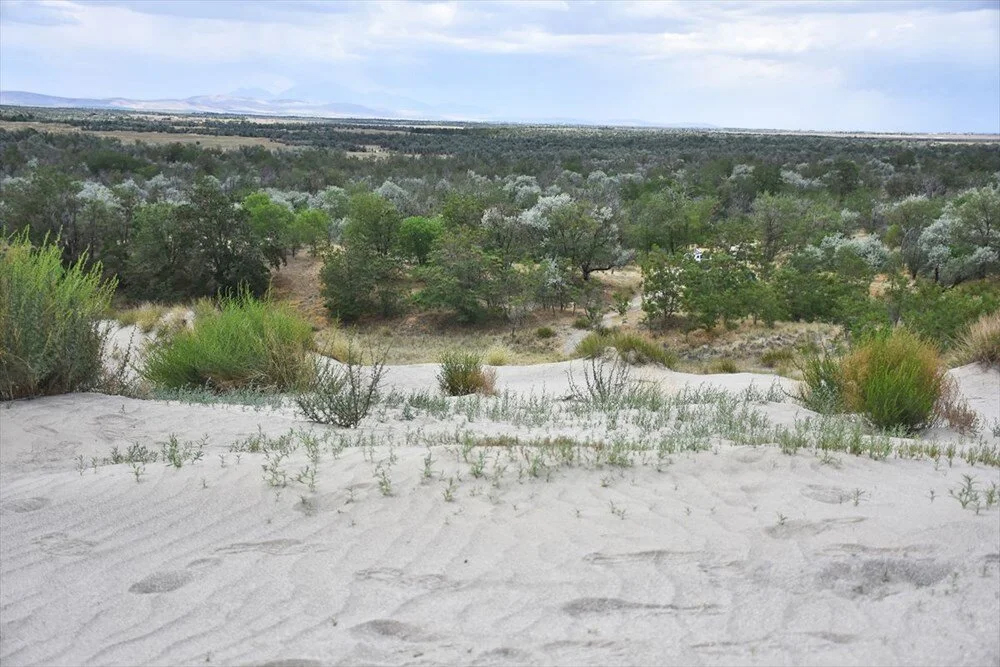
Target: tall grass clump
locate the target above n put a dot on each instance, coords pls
(462, 373)
(894, 379)
(632, 347)
(50, 335)
(981, 341)
(822, 388)
(246, 343)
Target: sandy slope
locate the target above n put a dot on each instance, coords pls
(743, 556)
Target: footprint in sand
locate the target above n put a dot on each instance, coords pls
(386, 627)
(61, 544)
(503, 656)
(651, 556)
(584, 606)
(272, 547)
(808, 528)
(399, 578)
(171, 580)
(880, 577)
(21, 505)
(162, 582)
(831, 495)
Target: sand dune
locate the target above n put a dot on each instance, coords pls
(739, 555)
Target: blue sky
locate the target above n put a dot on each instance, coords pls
(843, 65)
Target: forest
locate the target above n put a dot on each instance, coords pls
(487, 223)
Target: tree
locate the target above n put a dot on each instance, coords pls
(417, 236)
(200, 248)
(964, 243)
(374, 221)
(667, 219)
(462, 276)
(776, 219)
(312, 228)
(358, 281)
(462, 210)
(272, 224)
(588, 237)
(662, 289)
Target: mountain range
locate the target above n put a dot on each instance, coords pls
(304, 101)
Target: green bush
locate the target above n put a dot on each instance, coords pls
(545, 332)
(247, 343)
(632, 347)
(344, 395)
(463, 373)
(50, 336)
(822, 388)
(417, 236)
(894, 379)
(357, 281)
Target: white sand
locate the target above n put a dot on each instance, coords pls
(743, 556)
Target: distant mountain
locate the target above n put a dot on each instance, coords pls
(310, 100)
(204, 104)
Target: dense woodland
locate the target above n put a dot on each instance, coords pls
(492, 222)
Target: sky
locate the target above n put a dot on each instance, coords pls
(915, 66)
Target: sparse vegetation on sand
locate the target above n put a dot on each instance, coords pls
(50, 336)
(247, 343)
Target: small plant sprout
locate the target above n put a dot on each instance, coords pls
(222, 460)
(966, 494)
(449, 491)
(782, 519)
(204, 483)
(932, 495)
(857, 495)
(617, 511)
(138, 470)
(428, 464)
(382, 476)
(81, 464)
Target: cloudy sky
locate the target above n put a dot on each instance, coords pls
(843, 65)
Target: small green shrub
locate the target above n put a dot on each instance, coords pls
(981, 341)
(894, 379)
(581, 323)
(344, 395)
(50, 335)
(632, 347)
(772, 358)
(822, 387)
(247, 343)
(498, 355)
(545, 332)
(463, 373)
(724, 366)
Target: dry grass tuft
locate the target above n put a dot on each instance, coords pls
(981, 342)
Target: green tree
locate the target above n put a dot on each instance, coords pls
(417, 236)
(462, 276)
(587, 236)
(358, 281)
(372, 220)
(272, 224)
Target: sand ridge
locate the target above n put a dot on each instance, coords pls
(736, 555)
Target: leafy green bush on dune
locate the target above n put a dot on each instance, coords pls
(247, 343)
(50, 337)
